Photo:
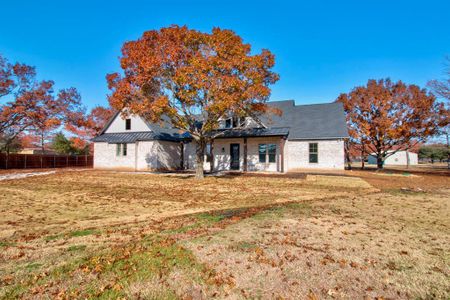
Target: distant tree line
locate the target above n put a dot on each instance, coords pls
(433, 153)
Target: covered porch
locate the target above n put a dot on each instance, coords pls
(249, 150)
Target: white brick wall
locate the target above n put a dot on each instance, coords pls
(150, 155)
(105, 157)
(153, 155)
(331, 154)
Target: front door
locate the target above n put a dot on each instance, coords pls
(234, 153)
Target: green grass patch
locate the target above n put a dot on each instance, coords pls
(76, 248)
(7, 244)
(210, 218)
(53, 237)
(244, 246)
(182, 229)
(84, 232)
(118, 268)
(33, 266)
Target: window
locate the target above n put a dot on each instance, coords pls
(271, 152)
(262, 153)
(127, 124)
(267, 153)
(121, 149)
(228, 123)
(313, 153)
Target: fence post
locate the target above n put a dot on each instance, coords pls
(25, 162)
(67, 161)
(76, 161)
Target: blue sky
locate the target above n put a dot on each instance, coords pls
(322, 48)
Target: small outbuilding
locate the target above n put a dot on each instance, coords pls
(399, 158)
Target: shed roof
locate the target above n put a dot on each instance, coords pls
(131, 137)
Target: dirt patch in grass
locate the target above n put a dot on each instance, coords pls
(374, 246)
(408, 180)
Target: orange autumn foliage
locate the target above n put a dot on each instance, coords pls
(387, 116)
(186, 75)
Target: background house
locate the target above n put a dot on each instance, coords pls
(400, 158)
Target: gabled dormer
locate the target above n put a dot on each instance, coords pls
(237, 122)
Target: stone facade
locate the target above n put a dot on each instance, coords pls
(158, 155)
(105, 157)
(330, 154)
(141, 156)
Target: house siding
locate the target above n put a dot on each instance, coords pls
(105, 157)
(331, 154)
(118, 125)
(150, 155)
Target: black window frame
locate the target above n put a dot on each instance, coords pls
(268, 153)
(313, 153)
(128, 124)
(121, 149)
(228, 123)
(262, 154)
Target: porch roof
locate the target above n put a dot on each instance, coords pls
(251, 132)
(131, 137)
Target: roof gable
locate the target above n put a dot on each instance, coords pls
(117, 124)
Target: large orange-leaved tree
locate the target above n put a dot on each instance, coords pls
(386, 117)
(192, 79)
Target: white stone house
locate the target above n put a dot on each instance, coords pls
(304, 136)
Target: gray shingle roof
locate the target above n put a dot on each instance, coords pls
(316, 121)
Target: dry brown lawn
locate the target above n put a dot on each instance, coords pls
(99, 234)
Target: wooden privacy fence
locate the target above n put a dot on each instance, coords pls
(26, 161)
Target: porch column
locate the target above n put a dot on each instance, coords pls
(282, 142)
(182, 156)
(245, 154)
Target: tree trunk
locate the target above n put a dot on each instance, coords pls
(363, 156)
(379, 161)
(407, 159)
(448, 151)
(347, 154)
(200, 157)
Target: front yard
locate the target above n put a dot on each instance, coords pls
(122, 235)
